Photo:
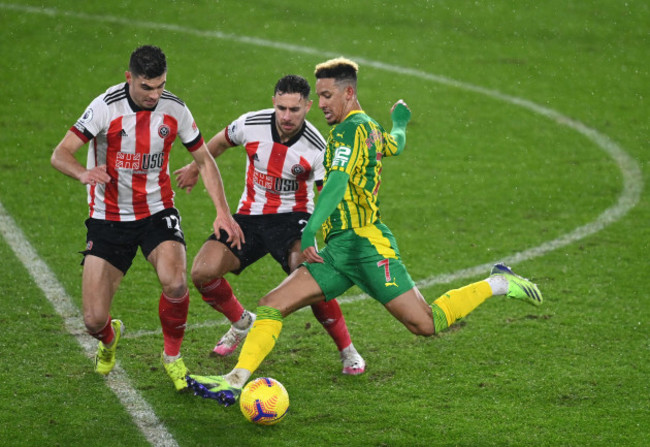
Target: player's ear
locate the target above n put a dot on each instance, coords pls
(308, 105)
(349, 92)
(127, 75)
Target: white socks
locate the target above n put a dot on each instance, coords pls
(498, 284)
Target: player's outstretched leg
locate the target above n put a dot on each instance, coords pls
(231, 339)
(214, 387)
(519, 288)
(105, 357)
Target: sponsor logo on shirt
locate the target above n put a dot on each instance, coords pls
(374, 138)
(139, 163)
(274, 184)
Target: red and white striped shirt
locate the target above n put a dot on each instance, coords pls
(279, 176)
(134, 144)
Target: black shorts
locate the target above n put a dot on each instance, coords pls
(118, 242)
(271, 233)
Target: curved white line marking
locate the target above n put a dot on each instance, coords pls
(632, 177)
(143, 415)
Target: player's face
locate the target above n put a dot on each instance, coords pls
(290, 112)
(146, 92)
(333, 99)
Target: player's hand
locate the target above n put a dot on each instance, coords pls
(400, 112)
(187, 177)
(311, 255)
(226, 222)
(95, 176)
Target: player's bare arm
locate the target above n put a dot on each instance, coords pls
(188, 175)
(213, 183)
(63, 160)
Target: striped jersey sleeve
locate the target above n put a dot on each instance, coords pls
(356, 146)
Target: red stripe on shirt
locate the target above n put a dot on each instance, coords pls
(274, 169)
(251, 150)
(139, 175)
(166, 191)
(114, 145)
(302, 193)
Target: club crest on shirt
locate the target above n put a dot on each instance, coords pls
(163, 131)
(297, 169)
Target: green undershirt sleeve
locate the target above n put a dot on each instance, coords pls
(328, 199)
(400, 116)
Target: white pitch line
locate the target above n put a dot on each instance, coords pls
(118, 381)
(630, 170)
(143, 415)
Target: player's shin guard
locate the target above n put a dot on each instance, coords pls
(261, 338)
(219, 295)
(458, 303)
(329, 315)
(173, 319)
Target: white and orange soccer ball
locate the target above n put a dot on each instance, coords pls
(264, 401)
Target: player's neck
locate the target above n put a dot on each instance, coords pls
(354, 106)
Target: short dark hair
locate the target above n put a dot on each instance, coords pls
(293, 84)
(340, 69)
(148, 61)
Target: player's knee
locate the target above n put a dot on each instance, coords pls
(424, 329)
(199, 275)
(266, 300)
(95, 322)
(273, 301)
(175, 289)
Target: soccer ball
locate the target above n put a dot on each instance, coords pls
(264, 401)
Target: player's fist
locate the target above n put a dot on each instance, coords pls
(400, 113)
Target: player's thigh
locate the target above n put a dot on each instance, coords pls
(100, 281)
(411, 309)
(295, 257)
(213, 260)
(163, 244)
(298, 290)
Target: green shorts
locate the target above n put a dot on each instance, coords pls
(367, 257)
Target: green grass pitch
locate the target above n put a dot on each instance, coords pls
(529, 143)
